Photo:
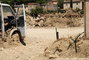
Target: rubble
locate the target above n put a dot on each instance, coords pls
(8, 42)
(64, 48)
(68, 19)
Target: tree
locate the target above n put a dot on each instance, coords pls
(60, 3)
(41, 1)
(11, 2)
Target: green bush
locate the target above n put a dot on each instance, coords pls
(39, 10)
(82, 11)
(35, 12)
(51, 11)
(44, 12)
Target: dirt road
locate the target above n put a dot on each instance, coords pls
(37, 40)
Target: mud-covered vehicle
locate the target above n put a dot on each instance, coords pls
(12, 25)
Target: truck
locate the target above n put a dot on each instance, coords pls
(12, 24)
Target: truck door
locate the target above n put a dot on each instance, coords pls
(0, 18)
(21, 20)
(1, 21)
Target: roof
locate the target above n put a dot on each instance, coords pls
(33, 3)
(72, 1)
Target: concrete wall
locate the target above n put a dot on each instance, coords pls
(78, 4)
(28, 7)
(32, 7)
(86, 18)
(52, 6)
(66, 5)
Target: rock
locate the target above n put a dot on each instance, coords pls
(41, 23)
(1, 49)
(35, 25)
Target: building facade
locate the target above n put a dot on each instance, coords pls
(77, 4)
(33, 6)
(29, 6)
(51, 5)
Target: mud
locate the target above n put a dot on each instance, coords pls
(68, 19)
(65, 48)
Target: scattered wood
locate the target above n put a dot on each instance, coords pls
(75, 41)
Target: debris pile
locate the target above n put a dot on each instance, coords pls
(64, 48)
(72, 14)
(35, 22)
(68, 19)
(8, 42)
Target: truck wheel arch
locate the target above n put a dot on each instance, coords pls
(13, 31)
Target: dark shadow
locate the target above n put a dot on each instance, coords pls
(22, 40)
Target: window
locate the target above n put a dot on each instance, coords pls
(7, 12)
(76, 3)
(66, 4)
(20, 21)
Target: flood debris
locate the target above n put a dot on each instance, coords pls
(66, 48)
(68, 19)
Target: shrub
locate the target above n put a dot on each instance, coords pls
(82, 11)
(35, 12)
(51, 11)
(39, 9)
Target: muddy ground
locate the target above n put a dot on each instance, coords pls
(53, 20)
(65, 48)
(37, 39)
(41, 34)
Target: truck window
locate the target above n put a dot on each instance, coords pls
(20, 11)
(7, 12)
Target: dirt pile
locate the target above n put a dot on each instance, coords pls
(64, 48)
(68, 19)
(72, 14)
(8, 42)
(38, 22)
